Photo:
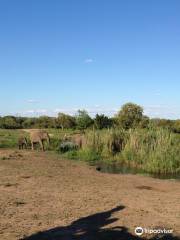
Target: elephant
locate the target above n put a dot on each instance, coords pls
(39, 136)
(115, 145)
(78, 139)
(22, 142)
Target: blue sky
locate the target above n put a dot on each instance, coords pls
(65, 55)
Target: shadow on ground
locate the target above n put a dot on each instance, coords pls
(93, 228)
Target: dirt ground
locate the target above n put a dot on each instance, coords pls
(44, 197)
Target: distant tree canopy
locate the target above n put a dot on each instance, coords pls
(102, 121)
(173, 125)
(83, 120)
(176, 126)
(130, 116)
(9, 122)
(29, 123)
(162, 122)
(65, 121)
(45, 122)
(144, 123)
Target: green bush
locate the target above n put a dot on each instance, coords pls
(154, 150)
(67, 146)
(9, 138)
(86, 155)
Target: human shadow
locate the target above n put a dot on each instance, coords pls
(92, 228)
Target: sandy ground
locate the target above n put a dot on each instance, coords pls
(45, 197)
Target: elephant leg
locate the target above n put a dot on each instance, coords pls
(80, 144)
(48, 144)
(42, 145)
(32, 146)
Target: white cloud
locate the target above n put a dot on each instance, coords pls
(162, 111)
(97, 106)
(153, 111)
(41, 110)
(88, 60)
(34, 112)
(65, 111)
(29, 111)
(32, 101)
(70, 111)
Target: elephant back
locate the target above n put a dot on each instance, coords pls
(36, 135)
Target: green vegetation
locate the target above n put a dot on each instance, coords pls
(151, 150)
(130, 138)
(9, 138)
(130, 116)
(154, 150)
(65, 121)
(102, 121)
(83, 120)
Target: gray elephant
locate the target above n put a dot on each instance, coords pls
(22, 142)
(115, 145)
(39, 136)
(78, 139)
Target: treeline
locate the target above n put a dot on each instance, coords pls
(130, 116)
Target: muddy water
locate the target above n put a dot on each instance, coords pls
(115, 168)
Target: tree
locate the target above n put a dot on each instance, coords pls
(9, 122)
(130, 115)
(45, 122)
(1, 122)
(144, 123)
(102, 121)
(176, 126)
(83, 120)
(29, 122)
(65, 121)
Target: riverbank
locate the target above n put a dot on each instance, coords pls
(41, 191)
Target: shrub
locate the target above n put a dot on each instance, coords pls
(130, 115)
(154, 150)
(102, 121)
(83, 120)
(67, 146)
